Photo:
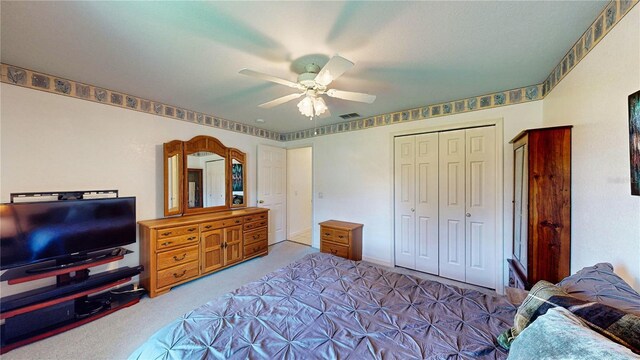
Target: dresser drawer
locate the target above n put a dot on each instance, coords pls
(172, 242)
(255, 248)
(176, 231)
(250, 218)
(255, 224)
(175, 257)
(177, 273)
(337, 250)
(220, 223)
(255, 236)
(335, 235)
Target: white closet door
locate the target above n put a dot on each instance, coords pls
(452, 204)
(404, 170)
(426, 198)
(481, 206)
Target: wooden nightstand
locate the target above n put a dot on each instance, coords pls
(342, 239)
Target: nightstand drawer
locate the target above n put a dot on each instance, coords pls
(334, 235)
(337, 250)
(175, 257)
(177, 273)
(176, 231)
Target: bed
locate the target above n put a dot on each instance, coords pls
(326, 307)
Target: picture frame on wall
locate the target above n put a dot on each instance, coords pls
(634, 141)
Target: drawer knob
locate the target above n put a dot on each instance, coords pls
(327, 234)
(192, 238)
(166, 233)
(180, 275)
(166, 243)
(208, 227)
(191, 229)
(341, 236)
(180, 259)
(334, 252)
(237, 221)
(256, 237)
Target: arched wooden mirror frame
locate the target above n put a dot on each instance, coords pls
(178, 194)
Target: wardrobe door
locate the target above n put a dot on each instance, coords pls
(452, 204)
(480, 214)
(404, 188)
(426, 203)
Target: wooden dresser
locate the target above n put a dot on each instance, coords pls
(180, 249)
(541, 207)
(341, 238)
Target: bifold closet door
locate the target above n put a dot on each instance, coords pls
(416, 192)
(467, 205)
(481, 206)
(452, 204)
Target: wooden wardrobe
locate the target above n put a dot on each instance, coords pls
(541, 206)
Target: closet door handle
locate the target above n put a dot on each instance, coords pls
(413, 210)
(468, 214)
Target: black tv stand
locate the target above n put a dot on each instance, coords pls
(66, 266)
(36, 314)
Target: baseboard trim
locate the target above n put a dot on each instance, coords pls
(377, 261)
(307, 230)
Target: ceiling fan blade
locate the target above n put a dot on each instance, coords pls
(274, 79)
(336, 66)
(279, 101)
(350, 95)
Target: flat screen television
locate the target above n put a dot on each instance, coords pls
(38, 231)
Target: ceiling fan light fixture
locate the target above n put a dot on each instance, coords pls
(306, 106)
(319, 105)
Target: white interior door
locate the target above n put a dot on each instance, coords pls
(404, 185)
(214, 179)
(452, 204)
(481, 206)
(272, 175)
(426, 203)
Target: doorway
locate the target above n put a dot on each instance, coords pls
(299, 195)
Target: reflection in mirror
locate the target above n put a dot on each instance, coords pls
(237, 183)
(206, 180)
(173, 182)
(520, 207)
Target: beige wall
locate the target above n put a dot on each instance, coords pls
(593, 98)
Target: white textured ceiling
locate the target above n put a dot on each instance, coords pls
(188, 54)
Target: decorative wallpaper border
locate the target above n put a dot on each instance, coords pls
(39, 81)
(482, 102)
(605, 21)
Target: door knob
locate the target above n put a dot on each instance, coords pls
(413, 210)
(261, 202)
(468, 215)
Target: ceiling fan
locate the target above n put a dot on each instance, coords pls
(313, 83)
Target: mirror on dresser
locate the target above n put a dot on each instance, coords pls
(238, 178)
(202, 175)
